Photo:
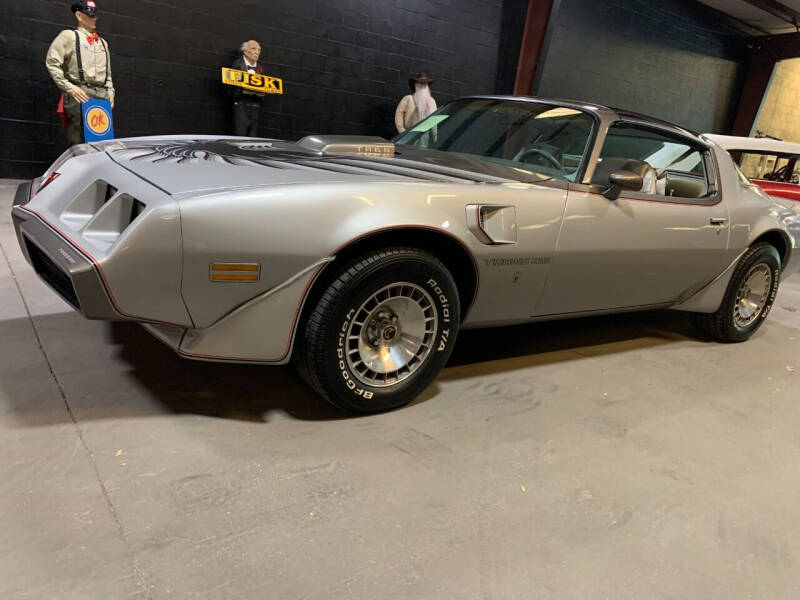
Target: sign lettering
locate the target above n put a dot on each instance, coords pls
(98, 122)
(252, 81)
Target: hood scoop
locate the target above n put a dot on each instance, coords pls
(348, 145)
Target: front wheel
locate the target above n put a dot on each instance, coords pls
(749, 298)
(382, 330)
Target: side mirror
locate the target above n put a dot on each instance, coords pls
(623, 180)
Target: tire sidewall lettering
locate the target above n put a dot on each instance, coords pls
(444, 336)
(776, 279)
(340, 362)
(444, 309)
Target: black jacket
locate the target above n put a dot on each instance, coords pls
(242, 94)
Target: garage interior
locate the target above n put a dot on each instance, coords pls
(608, 457)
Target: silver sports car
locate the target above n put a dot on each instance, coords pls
(360, 259)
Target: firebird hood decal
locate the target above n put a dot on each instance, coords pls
(192, 152)
(183, 164)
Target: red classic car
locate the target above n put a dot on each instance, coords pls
(770, 164)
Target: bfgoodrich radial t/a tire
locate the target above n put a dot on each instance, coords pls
(381, 331)
(749, 298)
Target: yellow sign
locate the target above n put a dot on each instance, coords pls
(98, 120)
(252, 81)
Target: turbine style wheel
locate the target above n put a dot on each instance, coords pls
(749, 298)
(381, 331)
(391, 334)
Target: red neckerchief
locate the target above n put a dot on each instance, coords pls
(92, 38)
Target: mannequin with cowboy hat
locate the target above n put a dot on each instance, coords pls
(417, 105)
(80, 65)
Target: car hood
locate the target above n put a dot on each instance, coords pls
(200, 164)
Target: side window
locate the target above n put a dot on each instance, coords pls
(669, 166)
(758, 166)
(769, 166)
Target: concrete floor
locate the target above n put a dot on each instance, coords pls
(614, 457)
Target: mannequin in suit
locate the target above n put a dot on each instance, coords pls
(247, 104)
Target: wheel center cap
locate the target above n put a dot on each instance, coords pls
(389, 333)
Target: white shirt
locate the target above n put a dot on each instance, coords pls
(252, 66)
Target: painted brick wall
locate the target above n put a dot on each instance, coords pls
(672, 59)
(345, 64)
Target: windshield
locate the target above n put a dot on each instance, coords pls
(546, 139)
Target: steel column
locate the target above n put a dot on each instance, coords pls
(530, 52)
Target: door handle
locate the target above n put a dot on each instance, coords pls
(718, 220)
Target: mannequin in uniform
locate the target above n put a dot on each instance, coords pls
(80, 80)
(417, 105)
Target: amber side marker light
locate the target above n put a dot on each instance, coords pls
(235, 272)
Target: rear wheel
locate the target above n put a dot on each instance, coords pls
(381, 331)
(749, 298)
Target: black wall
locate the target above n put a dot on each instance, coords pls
(345, 64)
(673, 59)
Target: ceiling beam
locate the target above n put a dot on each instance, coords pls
(735, 22)
(777, 9)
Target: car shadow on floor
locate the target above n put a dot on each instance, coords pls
(233, 391)
(599, 333)
(252, 393)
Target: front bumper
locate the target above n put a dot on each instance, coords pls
(59, 263)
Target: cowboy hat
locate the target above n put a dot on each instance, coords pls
(422, 77)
